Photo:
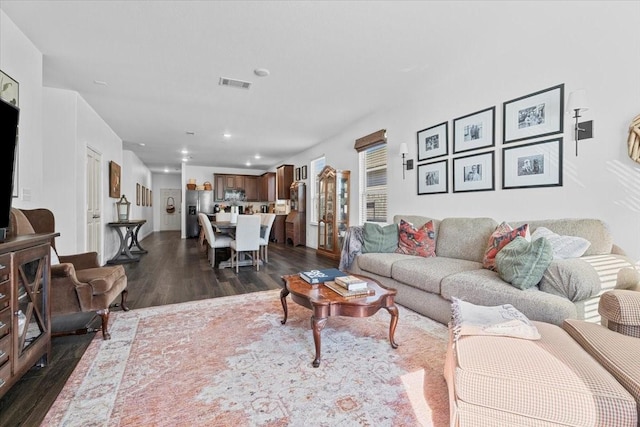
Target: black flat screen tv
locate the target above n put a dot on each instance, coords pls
(8, 139)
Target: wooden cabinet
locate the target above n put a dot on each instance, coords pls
(25, 324)
(333, 211)
(296, 223)
(251, 188)
(267, 187)
(278, 229)
(284, 179)
(219, 182)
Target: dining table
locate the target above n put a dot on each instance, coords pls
(228, 227)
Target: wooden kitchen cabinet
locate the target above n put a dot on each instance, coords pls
(251, 188)
(284, 179)
(267, 187)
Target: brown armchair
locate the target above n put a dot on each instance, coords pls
(78, 282)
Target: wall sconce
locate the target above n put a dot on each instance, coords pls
(577, 103)
(408, 163)
(122, 206)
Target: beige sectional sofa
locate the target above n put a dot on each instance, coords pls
(569, 289)
(581, 374)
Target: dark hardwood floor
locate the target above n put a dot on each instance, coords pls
(173, 271)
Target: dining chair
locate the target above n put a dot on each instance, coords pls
(201, 235)
(247, 239)
(214, 240)
(266, 222)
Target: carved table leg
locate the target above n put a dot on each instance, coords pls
(283, 299)
(393, 311)
(318, 324)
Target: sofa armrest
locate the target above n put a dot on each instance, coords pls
(81, 261)
(351, 247)
(621, 308)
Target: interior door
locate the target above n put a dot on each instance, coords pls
(170, 221)
(94, 212)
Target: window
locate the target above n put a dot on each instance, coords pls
(373, 184)
(316, 167)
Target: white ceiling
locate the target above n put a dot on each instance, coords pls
(332, 63)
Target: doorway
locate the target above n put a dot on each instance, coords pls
(94, 212)
(170, 220)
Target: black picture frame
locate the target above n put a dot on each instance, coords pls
(303, 172)
(535, 115)
(433, 177)
(433, 142)
(475, 172)
(474, 131)
(537, 164)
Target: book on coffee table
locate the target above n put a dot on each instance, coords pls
(351, 283)
(346, 293)
(320, 276)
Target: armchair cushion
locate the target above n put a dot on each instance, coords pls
(101, 279)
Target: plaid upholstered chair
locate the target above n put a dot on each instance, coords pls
(78, 282)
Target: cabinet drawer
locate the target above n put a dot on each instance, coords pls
(5, 289)
(5, 321)
(5, 349)
(5, 374)
(5, 268)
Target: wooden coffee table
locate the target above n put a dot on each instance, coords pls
(324, 303)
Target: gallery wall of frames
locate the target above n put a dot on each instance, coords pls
(460, 154)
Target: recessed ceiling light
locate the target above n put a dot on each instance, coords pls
(141, 144)
(257, 156)
(190, 132)
(184, 159)
(100, 83)
(166, 170)
(261, 72)
(184, 151)
(226, 135)
(248, 163)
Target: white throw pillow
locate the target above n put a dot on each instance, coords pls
(54, 257)
(564, 247)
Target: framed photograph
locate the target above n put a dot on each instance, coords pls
(297, 178)
(9, 89)
(474, 173)
(535, 115)
(137, 194)
(304, 172)
(432, 178)
(475, 130)
(150, 198)
(114, 180)
(144, 195)
(538, 164)
(433, 142)
(147, 197)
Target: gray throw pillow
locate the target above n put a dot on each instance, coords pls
(523, 263)
(379, 239)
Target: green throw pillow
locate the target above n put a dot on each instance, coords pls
(379, 239)
(523, 263)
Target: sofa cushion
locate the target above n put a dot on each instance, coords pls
(523, 263)
(594, 230)
(617, 353)
(381, 263)
(416, 241)
(485, 287)
(563, 246)
(501, 237)
(426, 274)
(377, 238)
(551, 381)
(571, 278)
(464, 238)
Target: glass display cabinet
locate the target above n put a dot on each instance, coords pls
(333, 211)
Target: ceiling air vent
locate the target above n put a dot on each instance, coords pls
(234, 83)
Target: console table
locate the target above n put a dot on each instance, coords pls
(129, 244)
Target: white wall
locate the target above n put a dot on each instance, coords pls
(20, 59)
(598, 53)
(135, 172)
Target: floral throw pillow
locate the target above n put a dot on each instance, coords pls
(502, 236)
(420, 242)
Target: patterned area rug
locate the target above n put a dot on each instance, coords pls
(229, 362)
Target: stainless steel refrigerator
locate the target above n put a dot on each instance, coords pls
(196, 202)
